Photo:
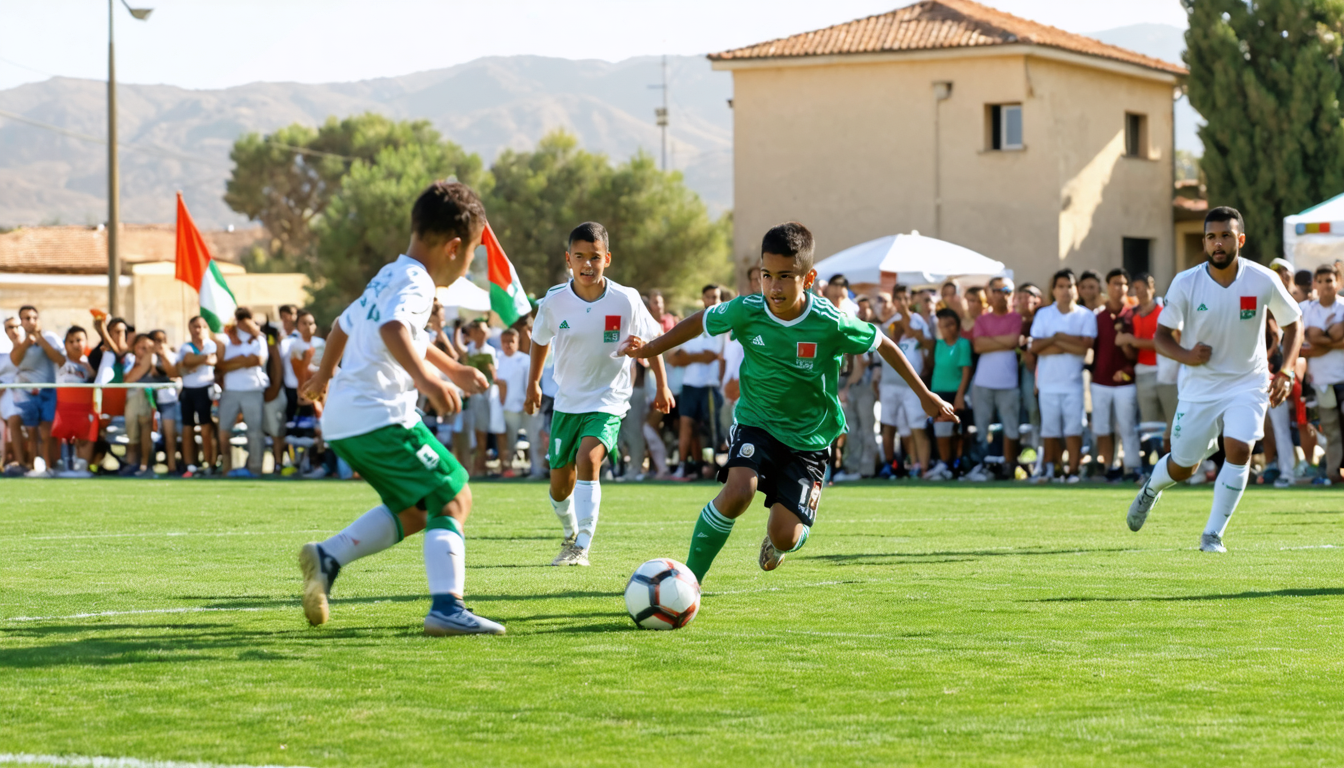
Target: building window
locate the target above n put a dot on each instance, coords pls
(1137, 255)
(1136, 135)
(1004, 126)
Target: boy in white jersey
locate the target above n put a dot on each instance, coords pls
(586, 319)
(371, 423)
(1225, 386)
(1061, 334)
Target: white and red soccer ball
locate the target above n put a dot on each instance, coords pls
(662, 594)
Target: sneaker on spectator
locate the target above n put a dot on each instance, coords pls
(845, 477)
(15, 470)
(241, 472)
(126, 470)
(1283, 482)
(146, 472)
(39, 473)
(1321, 481)
(289, 471)
(316, 474)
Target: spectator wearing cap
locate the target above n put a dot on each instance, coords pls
(1284, 269)
(243, 366)
(1115, 398)
(36, 356)
(995, 389)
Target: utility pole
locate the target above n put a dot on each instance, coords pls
(113, 166)
(660, 113)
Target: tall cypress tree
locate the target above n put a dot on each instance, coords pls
(1265, 75)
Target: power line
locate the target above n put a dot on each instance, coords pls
(13, 63)
(103, 140)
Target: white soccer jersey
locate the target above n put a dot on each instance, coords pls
(590, 376)
(1232, 321)
(372, 390)
(1063, 373)
(1327, 368)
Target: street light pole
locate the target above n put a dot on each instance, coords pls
(113, 167)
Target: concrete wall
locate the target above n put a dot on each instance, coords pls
(849, 149)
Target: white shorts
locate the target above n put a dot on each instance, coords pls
(8, 409)
(1062, 414)
(901, 409)
(1196, 426)
(1123, 400)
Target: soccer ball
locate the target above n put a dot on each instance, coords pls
(662, 594)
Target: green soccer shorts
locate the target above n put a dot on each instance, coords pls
(569, 429)
(406, 466)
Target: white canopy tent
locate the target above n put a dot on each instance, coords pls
(913, 259)
(1316, 235)
(464, 294)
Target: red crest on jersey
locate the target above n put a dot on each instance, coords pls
(1248, 302)
(613, 323)
(807, 349)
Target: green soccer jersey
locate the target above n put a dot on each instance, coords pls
(791, 369)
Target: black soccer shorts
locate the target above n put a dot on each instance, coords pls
(786, 476)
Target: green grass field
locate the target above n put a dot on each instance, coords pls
(920, 625)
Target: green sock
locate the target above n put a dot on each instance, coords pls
(711, 533)
(801, 540)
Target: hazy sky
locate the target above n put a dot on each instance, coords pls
(219, 43)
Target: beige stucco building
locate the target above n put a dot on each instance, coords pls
(1034, 146)
(63, 272)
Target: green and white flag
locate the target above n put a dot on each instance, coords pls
(196, 268)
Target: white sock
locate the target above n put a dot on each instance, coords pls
(565, 511)
(657, 451)
(587, 501)
(445, 561)
(370, 534)
(1161, 480)
(1227, 491)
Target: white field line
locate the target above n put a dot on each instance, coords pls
(112, 762)
(64, 537)
(200, 609)
(1311, 546)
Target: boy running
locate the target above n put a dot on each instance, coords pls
(370, 419)
(587, 319)
(788, 414)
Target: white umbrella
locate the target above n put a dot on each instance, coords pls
(915, 259)
(464, 294)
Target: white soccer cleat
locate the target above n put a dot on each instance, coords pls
(770, 557)
(1141, 506)
(1211, 542)
(460, 622)
(570, 554)
(319, 573)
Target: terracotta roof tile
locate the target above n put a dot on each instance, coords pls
(934, 24)
(83, 250)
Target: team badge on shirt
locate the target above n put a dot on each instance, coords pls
(807, 350)
(612, 330)
(1248, 304)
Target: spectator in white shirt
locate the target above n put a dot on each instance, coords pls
(483, 357)
(36, 356)
(305, 357)
(12, 445)
(1061, 335)
(1323, 319)
(700, 401)
(196, 363)
(512, 367)
(245, 381)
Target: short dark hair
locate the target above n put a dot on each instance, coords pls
(900, 288)
(242, 313)
(1225, 213)
(1302, 278)
(655, 293)
(286, 308)
(1117, 272)
(753, 268)
(947, 313)
(1144, 277)
(1087, 273)
(840, 281)
(481, 321)
(509, 332)
(792, 241)
(445, 210)
(975, 289)
(25, 308)
(305, 313)
(711, 287)
(1032, 288)
(197, 317)
(589, 232)
(140, 336)
(72, 330)
(1328, 269)
(1066, 272)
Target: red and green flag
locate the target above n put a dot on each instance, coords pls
(507, 297)
(196, 268)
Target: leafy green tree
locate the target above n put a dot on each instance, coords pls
(1265, 75)
(368, 221)
(286, 179)
(661, 233)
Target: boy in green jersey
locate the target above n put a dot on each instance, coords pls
(788, 414)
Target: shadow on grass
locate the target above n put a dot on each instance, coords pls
(1319, 592)
(921, 558)
(610, 626)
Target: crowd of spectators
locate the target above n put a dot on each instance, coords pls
(1058, 383)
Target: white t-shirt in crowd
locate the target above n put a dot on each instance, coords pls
(372, 390)
(1328, 368)
(513, 370)
(7, 367)
(703, 374)
(732, 360)
(286, 347)
(1231, 320)
(72, 372)
(36, 367)
(300, 347)
(909, 347)
(1063, 373)
(590, 376)
(202, 375)
(253, 378)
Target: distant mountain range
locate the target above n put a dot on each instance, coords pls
(180, 139)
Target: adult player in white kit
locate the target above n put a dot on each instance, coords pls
(586, 319)
(1224, 384)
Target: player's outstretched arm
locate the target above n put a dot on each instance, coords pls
(532, 403)
(1281, 386)
(469, 379)
(315, 387)
(663, 402)
(397, 338)
(934, 406)
(683, 332)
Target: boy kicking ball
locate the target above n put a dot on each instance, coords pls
(371, 422)
(788, 414)
(587, 319)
